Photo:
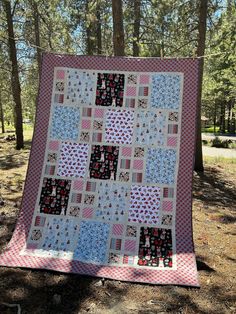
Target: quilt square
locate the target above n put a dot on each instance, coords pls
(60, 86)
(119, 126)
(54, 145)
(54, 196)
(173, 116)
(130, 245)
(117, 229)
(115, 244)
(166, 91)
(128, 259)
(132, 79)
(112, 202)
(81, 87)
(131, 231)
(65, 123)
(150, 128)
(161, 166)
(144, 204)
(60, 74)
(73, 160)
(114, 258)
(110, 89)
(155, 247)
(103, 162)
(144, 79)
(92, 242)
(60, 234)
(131, 91)
(130, 102)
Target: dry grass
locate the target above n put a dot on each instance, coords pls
(214, 230)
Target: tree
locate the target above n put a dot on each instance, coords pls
(136, 34)
(118, 28)
(203, 4)
(15, 82)
(34, 7)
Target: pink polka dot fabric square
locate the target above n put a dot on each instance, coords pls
(53, 145)
(131, 91)
(86, 124)
(99, 113)
(60, 74)
(144, 79)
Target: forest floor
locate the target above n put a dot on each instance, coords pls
(47, 292)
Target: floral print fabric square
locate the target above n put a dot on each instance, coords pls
(110, 89)
(73, 160)
(103, 162)
(54, 196)
(119, 126)
(144, 204)
(161, 166)
(65, 123)
(166, 91)
(93, 242)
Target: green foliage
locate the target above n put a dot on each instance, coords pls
(167, 26)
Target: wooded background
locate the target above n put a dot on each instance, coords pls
(147, 28)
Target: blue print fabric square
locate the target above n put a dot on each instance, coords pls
(160, 166)
(65, 123)
(165, 91)
(92, 243)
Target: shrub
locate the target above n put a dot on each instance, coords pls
(221, 143)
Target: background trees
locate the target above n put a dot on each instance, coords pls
(151, 28)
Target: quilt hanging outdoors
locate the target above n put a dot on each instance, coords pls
(108, 188)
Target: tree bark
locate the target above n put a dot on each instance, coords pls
(1, 113)
(200, 52)
(89, 43)
(99, 28)
(118, 28)
(15, 82)
(36, 32)
(136, 34)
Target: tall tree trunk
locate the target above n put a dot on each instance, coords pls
(136, 34)
(200, 52)
(89, 43)
(15, 82)
(36, 32)
(222, 117)
(118, 28)
(99, 27)
(1, 113)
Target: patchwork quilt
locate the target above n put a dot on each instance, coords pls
(108, 188)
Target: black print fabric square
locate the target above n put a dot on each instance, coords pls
(103, 162)
(155, 247)
(110, 89)
(54, 196)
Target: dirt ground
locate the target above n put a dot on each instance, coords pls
(45, 292)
